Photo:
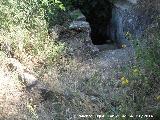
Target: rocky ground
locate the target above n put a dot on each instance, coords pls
(86, 80)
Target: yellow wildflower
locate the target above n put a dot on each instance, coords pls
(123, 78)
(158, 98)
(125, 82)
(124, 46)
(127, 33)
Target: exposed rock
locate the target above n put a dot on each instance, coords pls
(28, 80)
(131, 18)
(79, 26)
(133, 1)
(98, 14)
(118, 20)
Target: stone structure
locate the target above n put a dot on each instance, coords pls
(115, 19)
(131, 18)
(98, 14)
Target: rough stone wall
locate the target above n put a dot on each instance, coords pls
(133, 17)
(98, 14)
(113, 19)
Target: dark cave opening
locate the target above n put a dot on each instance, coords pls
(99, 15)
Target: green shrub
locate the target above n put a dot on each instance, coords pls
(24, 27)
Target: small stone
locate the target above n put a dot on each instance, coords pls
(93, 99)
(79, 25)
(28, 80)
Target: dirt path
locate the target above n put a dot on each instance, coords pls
(85, 80)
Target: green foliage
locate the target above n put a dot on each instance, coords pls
(23, 25)
(55, 12)
(20, 12)
(28, 13)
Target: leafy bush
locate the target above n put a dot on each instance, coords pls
(25, 29)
